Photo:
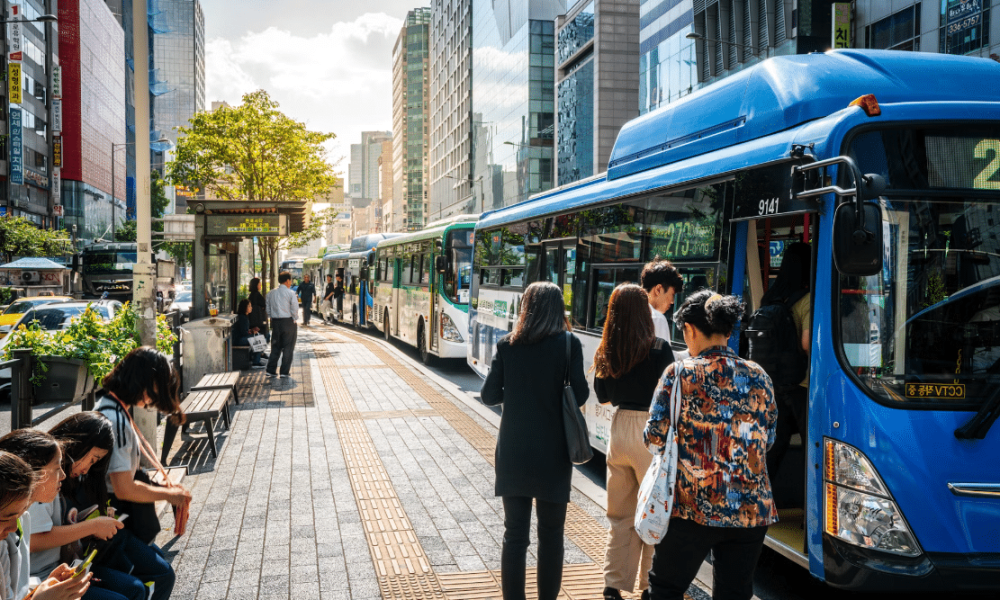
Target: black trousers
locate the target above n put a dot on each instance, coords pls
(284, 332)
(513, 558)
(678, 556)
(793, 408)
(306, 309)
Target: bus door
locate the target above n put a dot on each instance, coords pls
(560, 267)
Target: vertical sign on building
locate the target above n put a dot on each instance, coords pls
(57, 115)
(14, 81)
(56, 189)
(841, 24)
(57, 81)
(57, 151)
(16, 161)
(14, 34)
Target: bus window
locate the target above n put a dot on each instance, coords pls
(458, 276)
(685, 225)
(425, 268)
(513, 277)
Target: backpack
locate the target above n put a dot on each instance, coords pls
(775, 344)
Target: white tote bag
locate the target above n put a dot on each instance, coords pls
(257, 343)
(656, 494)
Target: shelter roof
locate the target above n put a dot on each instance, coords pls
(298, 211)
(33, 264)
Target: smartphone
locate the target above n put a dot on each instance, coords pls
(84, 567)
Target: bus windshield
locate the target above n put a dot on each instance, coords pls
(458, 278)
(108, 262)
(926, 331)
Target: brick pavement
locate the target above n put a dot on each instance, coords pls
(358, 478)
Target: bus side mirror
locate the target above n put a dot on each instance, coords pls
(857, 239)
(441, 264)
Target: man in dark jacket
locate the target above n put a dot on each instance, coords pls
(306, 292)
(338, 295)
(327, 304)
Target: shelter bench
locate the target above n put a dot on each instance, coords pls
(202, 405)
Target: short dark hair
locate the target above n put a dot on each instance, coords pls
(145, 370)
(661, 272)
(330, 276)
(35, 447)
(17, 479)
(79, 434)
(542, 314)
(710, 312)
(284, 276)
(241, 308)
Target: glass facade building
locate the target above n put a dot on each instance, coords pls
(513, 98)
(965, 27)
(575, 97)
(667, 67)
(411, 122)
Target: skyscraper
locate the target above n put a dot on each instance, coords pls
(513, 98)
(363, 173)
(667, 67)
(453, 188)
(410, 121)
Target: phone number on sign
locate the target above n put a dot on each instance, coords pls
(964, 24)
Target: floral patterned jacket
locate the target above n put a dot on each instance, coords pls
(727, 421)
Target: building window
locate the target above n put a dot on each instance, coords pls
(965, 26)
(899, 31)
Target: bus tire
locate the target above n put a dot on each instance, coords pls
(385, 327)
(422, 345)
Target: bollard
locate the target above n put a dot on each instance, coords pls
(21, 390)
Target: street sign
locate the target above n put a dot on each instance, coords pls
(246, 225)
(14, 82)
(57, 115)
(16, 160)
(14, 39)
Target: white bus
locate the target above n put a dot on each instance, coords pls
(421, 283)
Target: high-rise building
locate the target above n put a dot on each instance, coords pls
(453, 188)
(30, 188)
(410, 120)
(968, 27)
(385, 187)
(666, 57)
(92, 57)
(597, 83)
(363, 170)
(513, 98)
(179, 70)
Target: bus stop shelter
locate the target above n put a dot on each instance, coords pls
(219, 226)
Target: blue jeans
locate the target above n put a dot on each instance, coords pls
(114, 585)
(147, 563)
(151, 565)
(254, 356)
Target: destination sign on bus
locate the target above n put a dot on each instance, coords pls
(963, 162)
(767, 192)
(243, 225)
(683, 240)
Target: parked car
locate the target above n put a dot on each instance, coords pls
(13, 313)
(182, 304)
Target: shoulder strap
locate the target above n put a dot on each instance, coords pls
(569, 357)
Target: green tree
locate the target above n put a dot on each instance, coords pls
(20, 237)
(254, 153)
(126, 232)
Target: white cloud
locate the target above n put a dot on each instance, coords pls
(339, 82)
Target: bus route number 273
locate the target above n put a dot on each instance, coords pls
(767, 207)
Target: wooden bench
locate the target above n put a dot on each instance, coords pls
(205, 406)
(219, 381)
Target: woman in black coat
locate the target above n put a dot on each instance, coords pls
(258, 318)
(532, 461)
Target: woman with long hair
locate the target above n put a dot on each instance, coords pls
(59, 527)
(627, 368)
(532, 459)
(40, 452)
(258, 318)
(242, 330)
(145, 379)
(722, 500)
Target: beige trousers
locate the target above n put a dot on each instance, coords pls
(628, 460)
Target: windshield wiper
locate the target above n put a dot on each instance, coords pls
(979, 425)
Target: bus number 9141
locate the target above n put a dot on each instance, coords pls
(767, 207)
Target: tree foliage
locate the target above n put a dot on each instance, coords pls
(20, 237)
(254, 153)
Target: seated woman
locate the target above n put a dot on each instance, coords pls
(242, 331)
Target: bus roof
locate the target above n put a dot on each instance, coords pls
(312, 261)
(106, 246)
(767, 134)
(433, 231)
(367, 242)
(786, 91)
(453, 220)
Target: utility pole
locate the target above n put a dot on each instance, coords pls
(143, 275)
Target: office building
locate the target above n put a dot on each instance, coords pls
(92, 57)
(410, 121)
(967, 27)
(179, 72)
(385, 205)
(363, 169)
(30, 186)
(667, 68)
(597, 83)
(513, 98)
(453, 188)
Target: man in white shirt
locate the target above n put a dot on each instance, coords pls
(282, 309)
(662, 282)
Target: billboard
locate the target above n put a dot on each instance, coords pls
(841, 36)
(16, 150)
(15, 80)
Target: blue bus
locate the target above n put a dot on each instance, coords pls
(353, 265)
(893, 182)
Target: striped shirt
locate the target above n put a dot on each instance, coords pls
(282, 303)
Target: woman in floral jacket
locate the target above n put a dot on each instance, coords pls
(723, 499)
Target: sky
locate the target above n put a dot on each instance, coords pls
(327, 62)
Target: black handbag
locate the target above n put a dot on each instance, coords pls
(142, 519)
(577, 437)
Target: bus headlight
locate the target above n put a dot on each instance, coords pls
(859, 508)
(448, 330)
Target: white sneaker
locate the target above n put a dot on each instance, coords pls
(286, 376)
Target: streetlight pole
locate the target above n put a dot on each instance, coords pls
(6, 72)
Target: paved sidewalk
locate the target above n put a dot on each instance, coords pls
(358, 478)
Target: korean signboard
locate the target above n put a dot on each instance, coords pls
(57, 114)
(14, 35)
(14, 81)
(246, 225)
(16, 160)
(56, 189)
(963, 15)
(57, 81)
(841, 36)
(57, 151)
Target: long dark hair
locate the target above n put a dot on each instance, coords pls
(145, 370)
(35, 447)
(542, 314)
(17, 479)
(793, 277)
(79, 434)
(255, 285)
(241, 308)
(628, 332)
(711, 313)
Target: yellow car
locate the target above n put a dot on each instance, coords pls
(16, 310)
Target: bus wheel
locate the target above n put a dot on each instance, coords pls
(425, 354)
(385, 327)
